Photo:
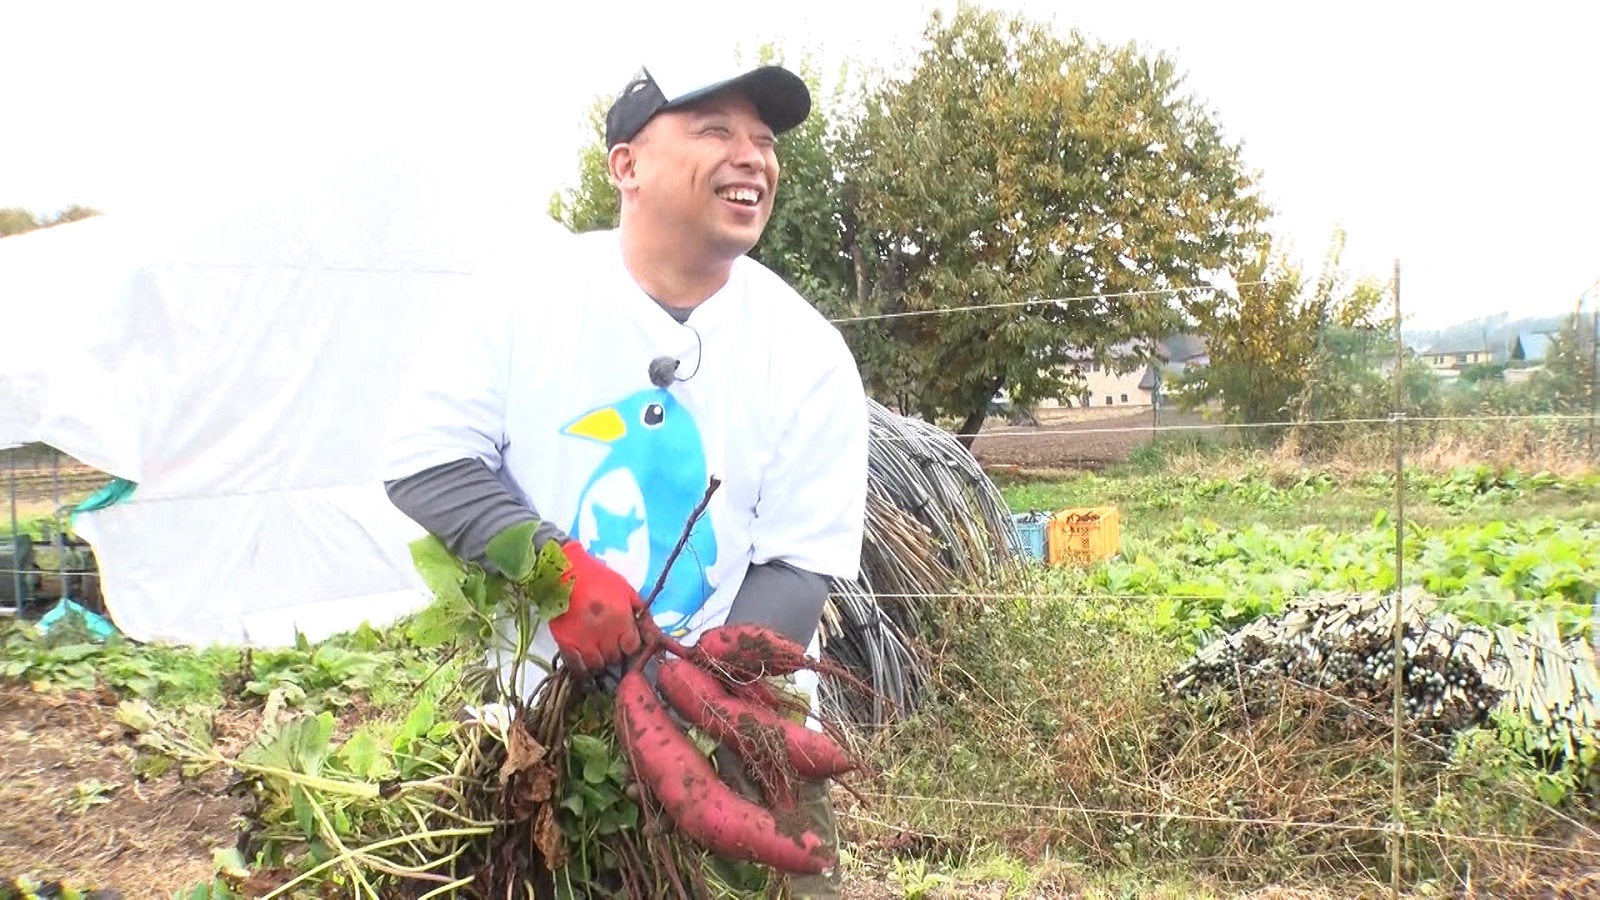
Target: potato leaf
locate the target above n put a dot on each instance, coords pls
(511, 551)
(543, 585)
(364, 757)
(441, 571)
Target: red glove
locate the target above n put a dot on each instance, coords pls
(598, 629)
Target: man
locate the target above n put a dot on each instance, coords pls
(596, 392)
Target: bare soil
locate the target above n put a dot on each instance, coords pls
(141, 838)
(1084, 440)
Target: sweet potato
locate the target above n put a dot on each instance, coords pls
(702, 701)
(748, 651)
(709, 812)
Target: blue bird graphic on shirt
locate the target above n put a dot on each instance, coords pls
(639, 498)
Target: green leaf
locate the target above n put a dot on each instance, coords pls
(587, 747)
(230, 862)
(441, 571)
(437, 624)
(544, 586)
(74, 653)
(476, 589)
(364, 757)
(137, 716)
(1551, 791)
(417, 725)
(595, 770)
(511, 551)
(303, 815)
(299, 746)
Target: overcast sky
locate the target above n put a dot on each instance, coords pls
(1461, 138)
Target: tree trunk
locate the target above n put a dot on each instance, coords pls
(858, 265)
(971, 425)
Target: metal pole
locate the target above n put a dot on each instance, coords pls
(16, 539)
(1594, 358)
(1396, 679)
(60, 536)
(1157, 367)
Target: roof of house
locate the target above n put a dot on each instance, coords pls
(1185, 346)
(1535, 346)
(1173, 348)
(1443, 351)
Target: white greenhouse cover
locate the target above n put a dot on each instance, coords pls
(239, 366)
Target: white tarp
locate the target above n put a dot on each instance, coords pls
(239, 366)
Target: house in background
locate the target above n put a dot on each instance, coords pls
(1449, 363)
(1134, 375)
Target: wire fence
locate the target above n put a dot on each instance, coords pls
(1402, 426)
(43, 484)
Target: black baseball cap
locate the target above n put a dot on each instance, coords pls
(780, 96)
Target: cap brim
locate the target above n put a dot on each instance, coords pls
(780, 96)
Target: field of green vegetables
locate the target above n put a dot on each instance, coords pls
(1208, 552)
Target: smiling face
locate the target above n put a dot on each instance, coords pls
(701, 178)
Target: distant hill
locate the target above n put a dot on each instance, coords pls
(1494, 332)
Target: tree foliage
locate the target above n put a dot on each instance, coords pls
(1013, 166)
(1282, 347)
(1568, 379)
(15, 220)
(593, 204)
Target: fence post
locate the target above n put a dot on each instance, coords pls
(16, 536)
(1594, 363)
(1396, 677)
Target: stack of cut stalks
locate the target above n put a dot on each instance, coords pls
(1454, 674)
(935, 522)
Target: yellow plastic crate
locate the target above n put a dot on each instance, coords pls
(1084, 535)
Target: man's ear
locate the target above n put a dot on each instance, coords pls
(619, 164)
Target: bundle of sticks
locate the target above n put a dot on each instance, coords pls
(1454, 675)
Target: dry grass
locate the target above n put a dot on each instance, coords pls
(1047, 738)
(1558, 447)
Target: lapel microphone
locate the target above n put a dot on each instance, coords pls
(663, 370)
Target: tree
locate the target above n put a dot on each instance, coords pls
(1568, 378)
(1013, 167)
(15, 220)
(1271, 357)
(593, 204)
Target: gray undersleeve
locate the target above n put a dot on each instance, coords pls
(465, 505)
(787, 599)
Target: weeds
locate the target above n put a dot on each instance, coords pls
(361, 666)
(1044, 736)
